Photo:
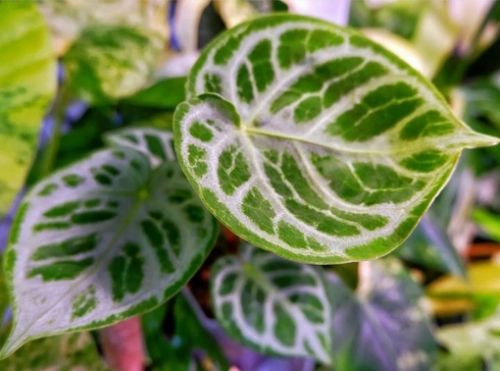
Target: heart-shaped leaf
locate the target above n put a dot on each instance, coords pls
(315, 143)
(27, 85)
(105, 239)
(155, 144)
(382, 326)
(273, 305)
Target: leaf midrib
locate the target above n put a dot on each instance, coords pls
(251, 130)
(120, 232)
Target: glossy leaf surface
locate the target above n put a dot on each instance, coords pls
(273, 305)
(105, 239)
(311, 141)
(27, 85)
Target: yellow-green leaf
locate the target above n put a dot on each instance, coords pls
(27, 85)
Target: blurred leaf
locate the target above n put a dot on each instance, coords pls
(435, 35)
(381, 326)
(234, 12)
(27, 86)
(166, 93)
(488, 221)
(482, 99)
(185, 24)
(399, 17)
(429, 247)
(480, 293)
(192, 332)
(483, 278)
(67, 352)
(474, 340)
(107, 63)
(67, 18)
(189, 338)
(458, 362)
(399, 46)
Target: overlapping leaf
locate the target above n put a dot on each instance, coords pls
(314, 142)
(107, 238)
(27, 85)
(383, 325)
(273, 305)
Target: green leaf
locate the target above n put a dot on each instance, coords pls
(488, 221)
(65, 352)
(314, 142)
(102, 240)
(107, 63)
(27, 85)
(188, 341)
(166, 93)
(155, 144)
(382, 325)
(273, 305)
(429, 247)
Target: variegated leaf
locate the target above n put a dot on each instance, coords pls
(273, 305)
(27, 85)
(104, 239)
(315, 142)
(109, 62)
(154, 143)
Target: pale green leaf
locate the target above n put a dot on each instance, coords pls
(273, 305)
(312, 141)
(67, 18)
(475, 339)
(107, 63)
(382, 326)
(27, 85)
(107, 238)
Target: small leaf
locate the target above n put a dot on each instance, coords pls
(273, 305)
(107, 63)
(382, 326)
(27, 85)
(313, 142)
(105, 239)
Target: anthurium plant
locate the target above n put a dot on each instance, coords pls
(276, 197)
